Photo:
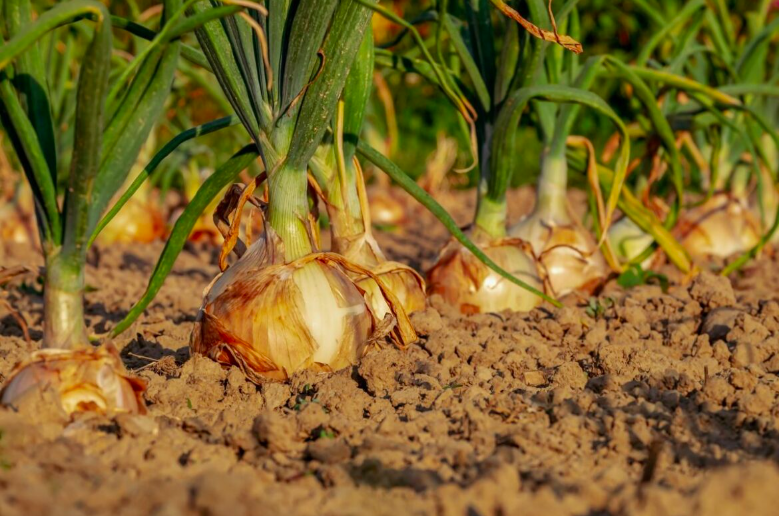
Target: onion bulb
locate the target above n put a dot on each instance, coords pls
(385, 207)
(86, 379)
(407, 285)
(137, 221)
(468, 284)
(566, 252)
(629, 240)
(403, 281)
(272, 318)
(721, 226)
(361, 248)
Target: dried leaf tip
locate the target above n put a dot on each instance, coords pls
(566, 42)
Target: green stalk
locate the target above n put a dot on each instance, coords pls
(347, 220)
(551, 189)
(64, 285)
(491, 217)
(288, 210)
(63, 301)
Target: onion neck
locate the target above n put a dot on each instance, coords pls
(344, 206)
(63, 301)
(551, 189)
(288, 211)
(491, 217)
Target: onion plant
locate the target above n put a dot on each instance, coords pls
(718, 122)
(338, 174)
(502, 86)
(283, 75)
(108, 132)
(285, 305)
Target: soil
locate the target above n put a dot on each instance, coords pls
(655, 403)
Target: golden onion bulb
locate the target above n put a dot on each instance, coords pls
(566, 252)
(272, 319)
(384, 207)
(137, 221)
(721, 226)
(86, 380)
(468, 284)
(407, 285)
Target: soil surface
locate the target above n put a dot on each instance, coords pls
(648, 402)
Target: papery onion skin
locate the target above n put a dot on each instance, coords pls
(566, 253)
(405, 283)
(720, 227)
(272, 319)
(468, 284)
(87, 380)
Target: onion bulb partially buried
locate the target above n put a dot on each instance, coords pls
(468, 284)
(360, 247)
(86, 380)
(566, 252)
(272, 318)
(721, 226)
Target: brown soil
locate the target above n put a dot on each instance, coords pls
(666, 403)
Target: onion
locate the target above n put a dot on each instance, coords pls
(385, 208)
(629, 241)
(361, 248)
(468, 284)
(721, 226)
(138, 221)
(407, 285)
(86, 379)
(566, 252)
(272, 318)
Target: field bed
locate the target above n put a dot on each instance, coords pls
(665, 403)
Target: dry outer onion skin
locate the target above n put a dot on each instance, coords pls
(87, 380)
(722, 226)
(566, 252)
(468, 284)
(402, 280)
(271, 318)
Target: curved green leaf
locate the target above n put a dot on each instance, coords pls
(60, 14)
(163, 153)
